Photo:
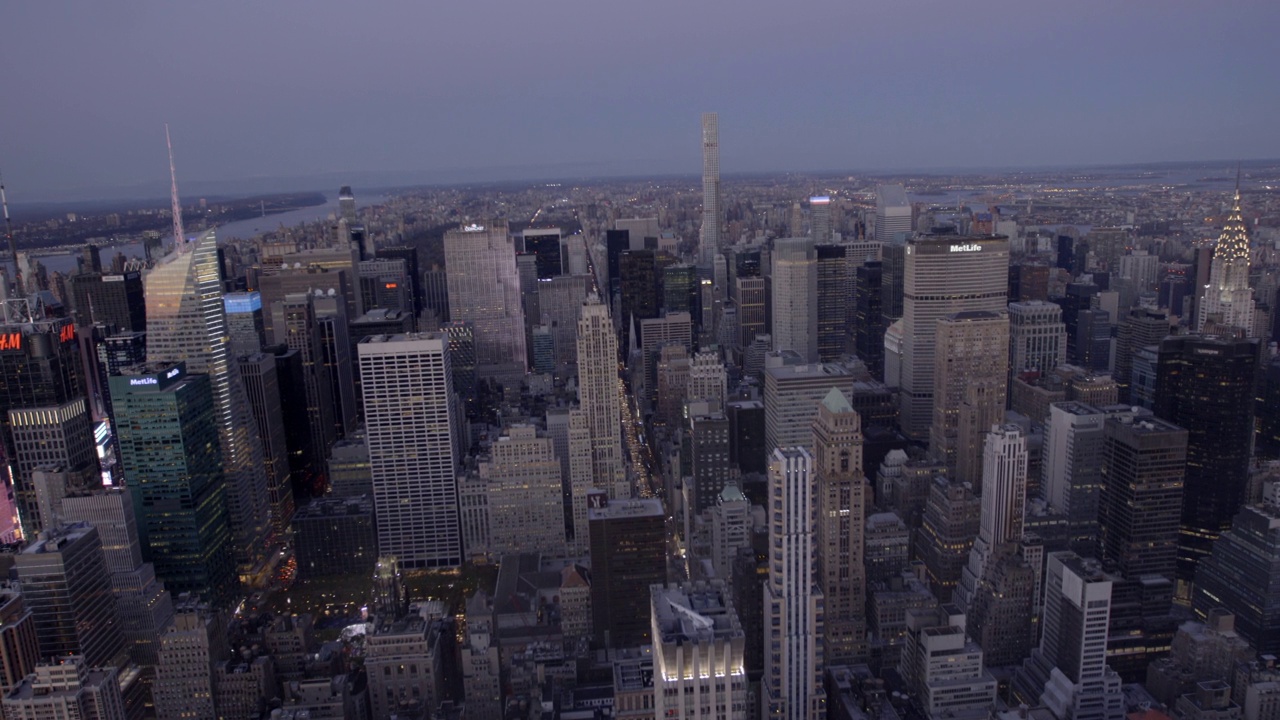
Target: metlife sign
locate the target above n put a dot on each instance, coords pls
(148, 380)
(966, 247)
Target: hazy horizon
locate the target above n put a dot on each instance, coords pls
(299, 93)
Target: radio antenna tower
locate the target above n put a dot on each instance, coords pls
(13, 246)
(178, 236)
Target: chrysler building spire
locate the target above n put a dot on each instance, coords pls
(1228, 299)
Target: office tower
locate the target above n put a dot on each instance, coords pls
(245, 322)
(184, 675)
(294, 325)
(114, 352)
(749, 296)
(409, 426)
(941, 667)
(638, 290)
(708, 443)
(616, 241)
(67, 688)
(1242, 574)
(707, 378)
(869, 322)
(642, 232)
(746, 435)
(1071, 479)
(628, 555)
(542, 349)
(435, 292)
(41, 369)
(1068, 673)
(59, 435)
(680, 289)
(526, 510)
(143, 607)
(1004, 604)
(791, 397)
(66, 585)
(19, 645)
(384, 283)
(413, 275)
(348, 468)
(336, 269)
(1037, 337)
(794, 281)
(481, 676)
(411, 642)
(841, 498)
(1078, 299)
(335, 536)
(1093, 339)
(886, 546)
(260, 373)
(113, 300)
(1227, 300)
(306, 477)
(1205, 384)
(462, 360)
(698, 645)
(709, 241)
(792, 686)
(181, 486)
(673, 384)
(1143, 465)
(893, 214)
(893, 258)
(598, 396)
(670, 329)
(346, 204)
(731, 530)
(950, 523)
(1004, 496)
(546, 245)
(1268, 437)
(820, 218)
(559, 300)
(484, 290)
(972, 349)
(1140, 328)
(834, 293)
(943, 274)
(186, 322)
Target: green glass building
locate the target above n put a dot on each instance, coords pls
(172, 459)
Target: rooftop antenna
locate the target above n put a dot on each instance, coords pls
(178, 236)
(8, 234)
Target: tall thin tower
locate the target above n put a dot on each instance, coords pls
(187, 322)
(709, 243)
(1228, 299)
(598, 396)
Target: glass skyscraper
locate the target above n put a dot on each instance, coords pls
(167, 421)
(186, 322)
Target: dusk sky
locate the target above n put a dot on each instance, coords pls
(489, 90)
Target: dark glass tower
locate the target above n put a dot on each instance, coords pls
(869, 327)
(638, 286)
(173, 462)
(1243, 575)
(113, 300)
(835, 292)
(1205, 384)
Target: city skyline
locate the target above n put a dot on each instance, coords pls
(857, 91)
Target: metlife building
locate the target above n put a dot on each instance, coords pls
(173, 462)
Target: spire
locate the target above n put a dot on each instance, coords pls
(1233, 243)
(179, 238)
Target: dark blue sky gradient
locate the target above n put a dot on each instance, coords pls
(480, 89)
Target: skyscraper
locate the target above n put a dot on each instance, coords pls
(869, 322)
(834, 288)
(526, 511)
(820, 218)
(168, 446)
(1070, 470)
(1143, 466)
(187, 323)
(1228, 299)
(1140, 328)
(1206, 385)
(112, 300)
(484, 289)
(1037, 336)
(709, 240)
(409, 427)
(972, 349)
(598, 397)
(1004, 500)
(795, 293)
(792, 687)
(842, 497)
(698, 646)
(943, 274)
(1068, 673)
(66, 584)
(294, 325)
(628, 556)
(40, 370)
(893, 213)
